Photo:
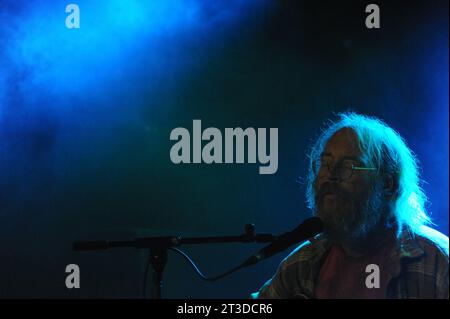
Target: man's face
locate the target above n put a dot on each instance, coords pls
(348, 207)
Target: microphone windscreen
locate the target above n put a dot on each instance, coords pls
(309, 228)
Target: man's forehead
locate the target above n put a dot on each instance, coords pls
(343, 143)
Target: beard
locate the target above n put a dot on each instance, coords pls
(348, 218)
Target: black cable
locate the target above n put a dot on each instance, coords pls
(198, 270)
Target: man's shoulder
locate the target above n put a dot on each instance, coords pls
(307, 251)
(293, 277)
(432, 242)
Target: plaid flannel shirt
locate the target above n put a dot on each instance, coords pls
(420, 268)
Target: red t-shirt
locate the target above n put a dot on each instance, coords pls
(344, 277)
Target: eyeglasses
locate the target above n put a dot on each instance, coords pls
(343, 170)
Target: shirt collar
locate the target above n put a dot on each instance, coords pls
(408, 246)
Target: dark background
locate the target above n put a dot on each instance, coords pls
(85, 118)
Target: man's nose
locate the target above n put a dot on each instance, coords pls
(333, 173)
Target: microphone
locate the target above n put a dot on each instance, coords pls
(309, 228)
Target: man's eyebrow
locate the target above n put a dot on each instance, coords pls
(353, 158)
(325, 154)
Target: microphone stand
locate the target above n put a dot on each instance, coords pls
(158, 247)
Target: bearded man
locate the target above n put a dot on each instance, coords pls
(364, 184)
